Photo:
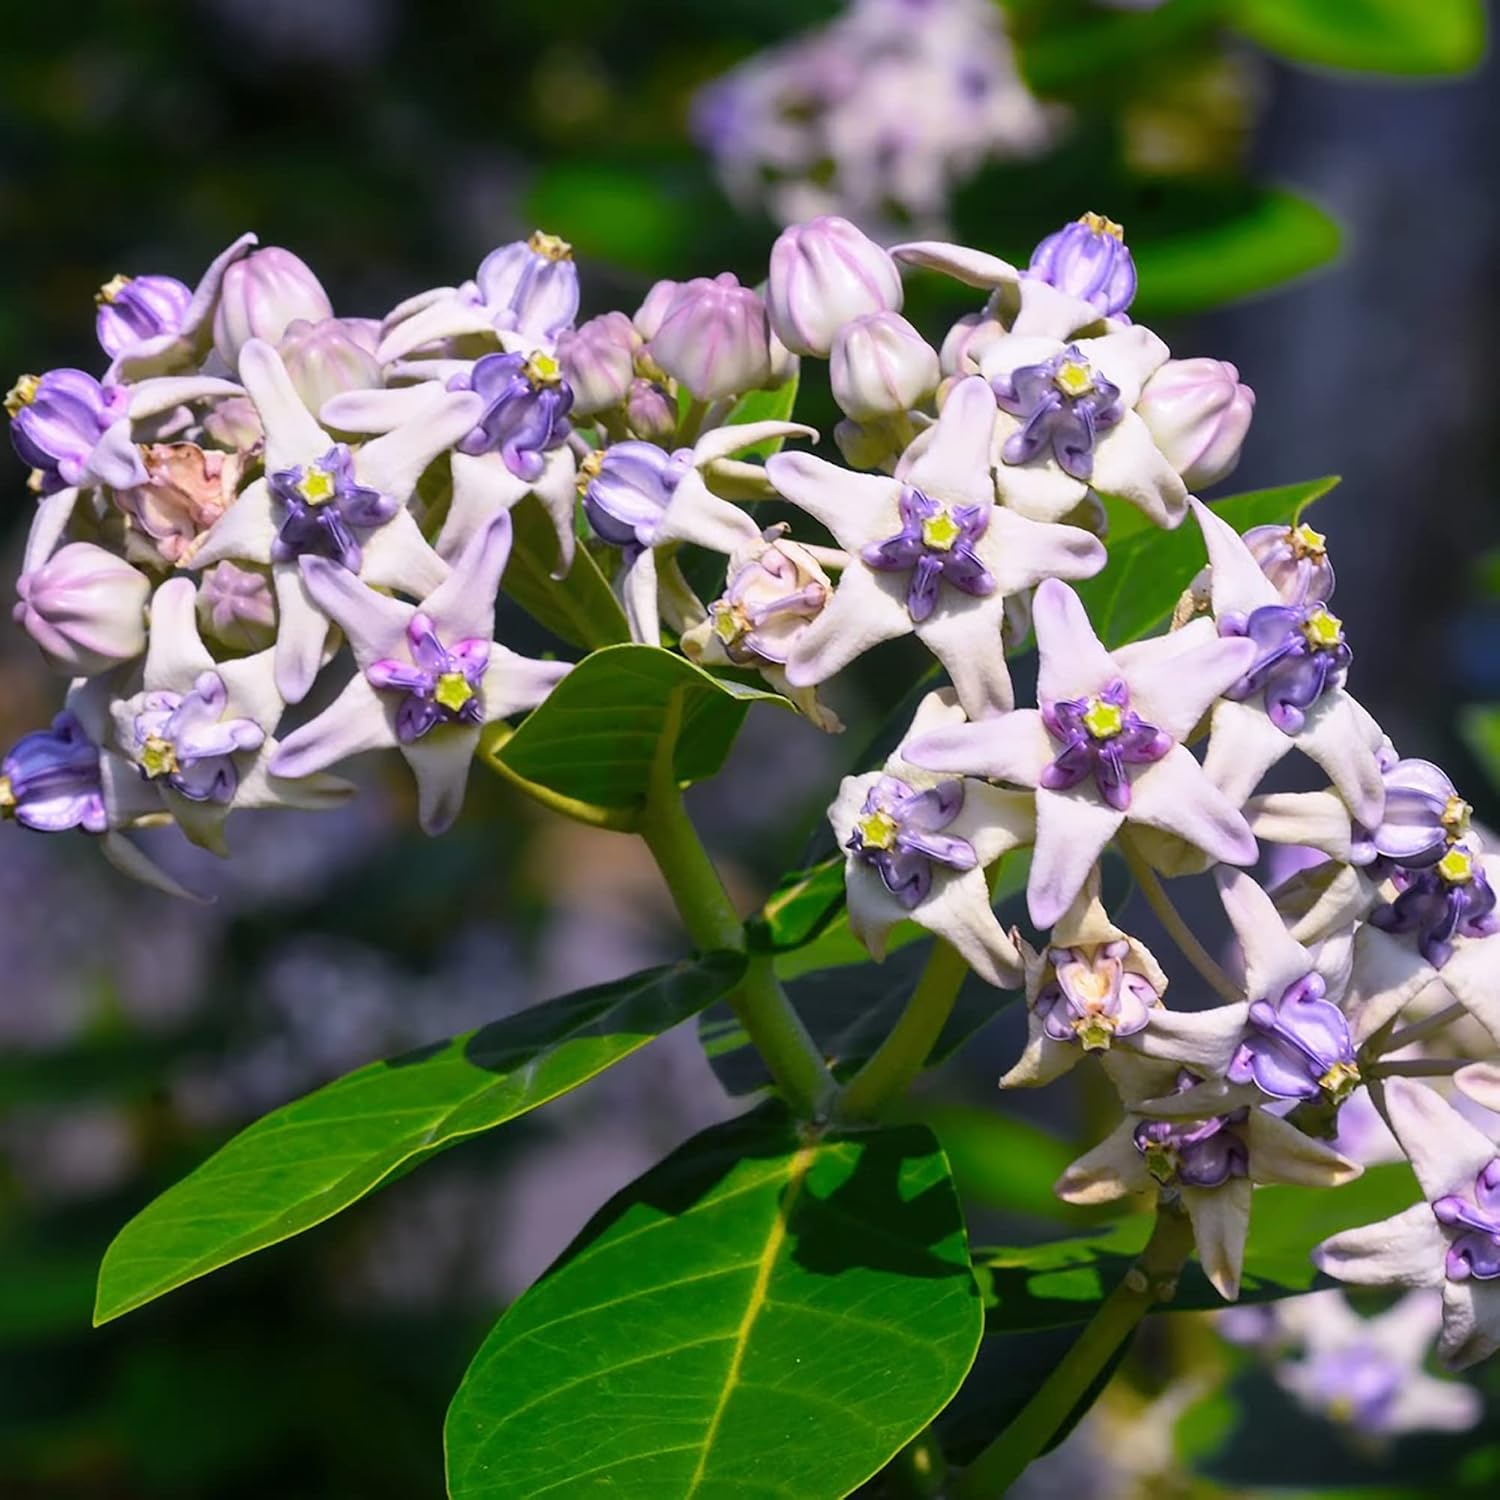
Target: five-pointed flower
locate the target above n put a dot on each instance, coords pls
(428, 676)
(321, 499)
(1105, 747)
(1451, 1239)
(1292, 695)
(917, 845)
(930, 553)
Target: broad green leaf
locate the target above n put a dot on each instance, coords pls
(765, 1313)
(1043, 1286)
(1148, 571)
(1479, 726)
(765, 406)
(301, 1164)
(594, 738)
(1372, 36)
(800, 907)
(1271, 238)
(1001, 1160)
(1061, 49)
(581, 608)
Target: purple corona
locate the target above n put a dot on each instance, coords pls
(1193, 1153)
(1100, 736)
(1093, 999)
(1424, 817)
(1448, 900)
(1298, 1047)
(56, 421)
(440, 685)
(1088, 259)
(50, 781)
(185, 741)
(1474, 1220)
(626, 490)
(935, 545)
(324, 507)
(899, 835)
(1063, 405)
(1302, 655)
(133, 309)
(526, 405)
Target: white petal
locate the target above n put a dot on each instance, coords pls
(445, 318)
(243, 533)
(440, 761)
(1042, 1059)
(1020, 553)
(202, 823)
(292, 436)
(115, 460)
(301, 635)
(1129, 466)
(1405, 1330)
(1072, 829)
(1221, 1221)
(483, 488)
(150, 398)
(1128, 358)
(994, 821)
(463, 605)
(1407, 1249)
(955, 461)
(1471, 1323)
(1176, 796)
(1327, 899)
(394, 462)
(1480, 1082)
(1202, 1040)
(866, 609)
(1273, 960)
(1007, 747)
(358, 720)
(1425, 1404)
(695, 514)
(175, 653)
(1243, 744)
(375, 624)
(130, 859)
(1111, 1170)
(380, 410)
(972, 267)
(318, 792)
(516, 684)
(963, 632)
(1445, 1151)
(1040, 489)
(1174, 688)
(1281, 1153)
(1319, 820)
(397, 556)
(958, 910)
(1051, 313)
(1338, 735)
(856, 508)
(1073, 662)
(637, 590)
(250, 689)
(1388, 974)
(557, 490)
(1239, 586)
(53, 515)
(723, 442)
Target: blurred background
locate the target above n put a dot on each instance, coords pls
(1310, 188)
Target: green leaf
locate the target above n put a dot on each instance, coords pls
(1063, 1281)
(1059, 50)
(765, 1313)
(765, 406)
(1148, 571)
(1414, 37)
(613, 211)
(1479, 728)
(800, 907)
(1271, 238)
(594, 738)
(301, 1164)
(581, 608)
(1001, 1160)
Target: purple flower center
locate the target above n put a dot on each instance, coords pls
(1100, 736)
(1302, 654)
(1299, 1047)
(57, 420)
(50, 780)
(133, 309)
(1450, 899)
(1193, 1153)
(935, 545)
(627, 488)
(1357, 1384)
(1424, 817)
(1064, 404)
(1474, 1222)
(324, 507)
(1088, 259)
(1093, 999)
(439, 685)
(899, 834)
(526, 405)
(763, 607)
(184, 740)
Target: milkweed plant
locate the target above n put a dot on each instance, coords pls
(268, 540)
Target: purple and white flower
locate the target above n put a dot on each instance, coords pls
(930, 553)
(262, 294)
(85, 608)
(824, 274)
(1198, 414)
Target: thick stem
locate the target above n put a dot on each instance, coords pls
(1420, 1030)
(1421, 1067)
(1178, 930)
(900, 1056)
(1152, 1280)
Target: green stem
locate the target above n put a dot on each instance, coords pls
(1420, 1030)
(1420, 1067)
(1178, 930)
(759, 1004)
(1152, 1280)
(900, 1056)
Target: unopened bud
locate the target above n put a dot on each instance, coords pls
(598, 361)
(261, 296)
(881, 366)
(237, 607)
(649, 412)
(85, 608)
(824, 274)
(1198, 414)
(714, 339)
(327, 359)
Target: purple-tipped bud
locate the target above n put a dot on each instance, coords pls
(598, 362)
(85, 608)
(881, 366)
(531, 286)
(649, 412)
(714, 339)
(133, 309)
(627, 488)
(261, 296)
(1198, 413)
(824, 274)
(328, 358)
(56, 421)
(1088, 260)
(649, 316)
(236, 606)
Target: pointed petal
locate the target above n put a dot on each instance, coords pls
(724, 442)
(301, 635)
(483, 488)
(258, 788)
(374, 624)
(516, 684)
(1129, 466)
(1221, 1221)
(1406, 1329)
(557, 490)
(637, 589)
(1338, 736)
(1073, 662)
(445, 318)
(1388, 975)
(695, 514)
(972, 267)
(1071, 832)
(1281, 1153)
(1203, 1040)
(963, 632)
(1128, 358)
(1047, 312)
(856, 508)
(1405, 1250)
(1014, 747)
(958, 910)
(955, 462)
(1176, 796)
(1273, 960)
(1239, 586)
(359, 719)
(1319, 820)
(53, 515)
(873, 911)
(175, 653)
(1042, 1059)
(1111, 1170)
(1173, 689)
(397, 556)
(292, 436)
(1471, 1323)
(1445, 1151)
(115, 460)
(394, 462)
(380, 410)
(440, 761)
(866, 609)
(243, 533)
(1480, 1082)
(994, 821)
(150, 398)
(1243, 744)
(1020, 553)
(464, 603)
(131, 860)
(1423, 1404)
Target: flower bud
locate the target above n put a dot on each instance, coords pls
(875, 445)
(328, 358)
(649, 412)
(532, 288)
(1198, 413)
(1088, 260)
(187, 489)
(237, 607)
(649, 316)
(714, 339)
(823, 274)
(598, 362)
(234, 423)
(133, 309)
(56, 421)
(85, 608)
(880, 366)
(261, 296)
(966, 341)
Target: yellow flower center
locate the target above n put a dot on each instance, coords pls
(1455, 818)
(1161, 1161)
(21, 394)
(1457, 866)
(158, 757)
(1341, 1409)
(7, 797)
(728, 625)
(543, 370)
(1322, 630)
(453, 691)
(317, 486)
(941, 531)
(550, 246)
(1103, 720)
(1340, 1081)
(111, 289)
(589, 468)
(1074, 378)
(1100, 225)
(877, 830)
(1306, 542)
(1094, 1033)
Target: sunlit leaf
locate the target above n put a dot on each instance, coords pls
(580, 608)
(1373, 36)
